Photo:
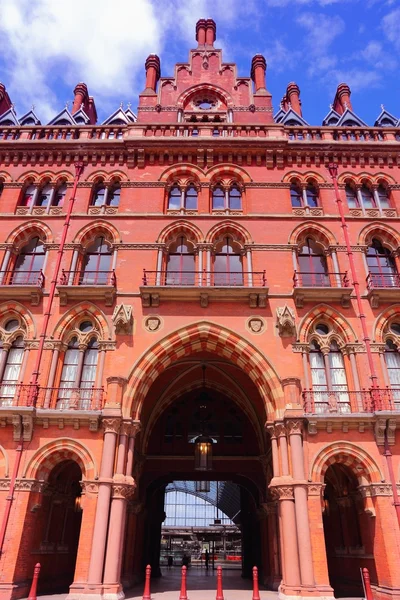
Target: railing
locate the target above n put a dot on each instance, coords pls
(88, 278)
(62, 398)
(346, 402)
(329, 280)
(35, 278)
(204, 278)
(383, 280)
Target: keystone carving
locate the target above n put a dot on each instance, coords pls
(285, 321)
(122, 318)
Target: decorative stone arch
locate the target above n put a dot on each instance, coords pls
(352, 456)
(4, 463)
(84, 309)
(199, 337)
(303, 178)
(184, 98)
(331, 317)
(14, 308)
(97, 176)
(87, 234)
(31, 175)
(45, 177)
(229, 227)
(384, 178)
(365, 179)
(348, 177)
(187, 171)
(51, 454)
(230, 171)
(22, 234)
(292, 177)
(117, 175)
(381, 321)
(321, 234)
(388, 236)
(5, 177)
(191, 231)
(63, 176)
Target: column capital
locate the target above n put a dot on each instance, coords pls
(111, 424)
(282, 492)
(123, 490)
(280, 429)
(294, 426)
(90, 488)
(270, 429)
(316, 489)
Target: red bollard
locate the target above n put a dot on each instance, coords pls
(183, 595)
(367, 584)
(146, 591)
(256, 591)
(33, 590)
(220, 594)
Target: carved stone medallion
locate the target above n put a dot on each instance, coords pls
(152, 323)
(255, 325)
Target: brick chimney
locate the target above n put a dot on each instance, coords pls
(5, 102)
(153, 72)
(258, 70)
(211, 32)
(293, 97)
(342, 99)
(201, 32)
(82, 98)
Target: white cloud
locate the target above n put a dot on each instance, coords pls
(281, 58)
(375, 55)
(391, 26)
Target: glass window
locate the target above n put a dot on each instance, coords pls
(98, 196)
(392, 359)
(28, 196)
(11, 372)
(381, 265)
(114, 194)
(313, 267)
(59, 195)
(218, 198)
(228, 269)
(191, 198)
(43, 198)
(69, 373)
(174, 198)
(29, 263)
(88, 376)
(181, 263)
(383, 197)
(367, 197)
(235, 198)
(97, 263)
(296, 196)
(312, 196)
(351, 197)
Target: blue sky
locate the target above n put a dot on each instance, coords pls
(47, 46)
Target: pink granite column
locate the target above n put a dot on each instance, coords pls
(111, 427)
(300, 495)
(281, 433)
(274, 447)
(289, 534)
(135, 428)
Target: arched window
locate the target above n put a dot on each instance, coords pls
(235, 198)
(367, 197)
(191, 198)
(78, 375)
(351, 197)
(228, 268)
(174, 198)
(218, 198)
(60, 195)
(11, 373)
(99, 195)
(328, 378)
(114, 194)
(312, 196)
(383, 196)
(381, 265)
(28, 196)
(96, 268)
(180, 263)
(44, 195)
(29, 264)
(313, 267)
(392, 359)
(296, 195)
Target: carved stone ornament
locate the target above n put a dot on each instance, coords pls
(316, 489)
(282, 492)
(122, 318)
(152, 323)
(30, 485)
(294, 427)
(380, 426)
(111, 425)
(90, 488)
(123, 490)
(256, 325)
(285, 321)
(4, 484)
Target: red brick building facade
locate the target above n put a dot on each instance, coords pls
(205, 240)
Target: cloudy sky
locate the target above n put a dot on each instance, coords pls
(47, 46)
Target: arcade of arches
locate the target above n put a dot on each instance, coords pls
(310, 516)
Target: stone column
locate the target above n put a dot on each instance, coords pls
(275, 576)
(135, 428)
(294, 428)
(321, 574)
(281, 433)
(292, 580)
(111, 428)
(274, 447)
(52, 374)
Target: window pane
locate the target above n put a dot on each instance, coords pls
(235, 198)
(218, 198)
(191, 198)
(114, 197)
(296, 196)
(98, 198)
(174, 201)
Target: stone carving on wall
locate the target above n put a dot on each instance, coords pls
(152, 323)
(285, 321)
(256, 325)
(122, 318)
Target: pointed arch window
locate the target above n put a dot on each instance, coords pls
(59, 195)
(296, 195)
(383, 196)
(12, 370)
(218, 198)
(78, 375)
(235, 197)
(27, 199)
(191, 198)
(312, 196)
(392, 360)
(114, 194)
(29, 264)
(328, 378)
(174, 198)
(228, 267)
(181, 263)
(381, 265)
(99, 195)
(351, 197)
(367, 197)
(96, 268)
(313, 266)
